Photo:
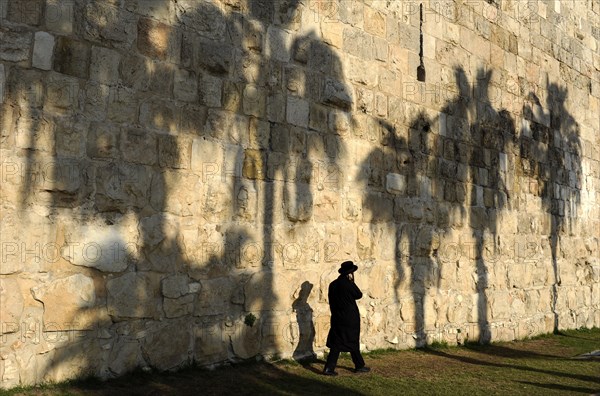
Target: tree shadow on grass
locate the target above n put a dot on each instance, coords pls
(239, 379)
(513, 353)
(478, 362)
(564, 388)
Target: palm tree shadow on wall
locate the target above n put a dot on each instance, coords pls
(397, 175)
(494, 132)
(550, 151)
(448, 178)
(130, 168)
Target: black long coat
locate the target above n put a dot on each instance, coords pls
(344, 333)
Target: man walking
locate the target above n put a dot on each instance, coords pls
(345, 320)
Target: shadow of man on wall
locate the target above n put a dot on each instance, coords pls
(304, 316)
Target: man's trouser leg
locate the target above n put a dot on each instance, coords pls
(357, 359)
(332, 359)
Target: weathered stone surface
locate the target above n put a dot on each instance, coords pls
(11, 303)
(122, 105)
(254, 101)
(2, 86)
(279, 44)
(62, 93)
(169, 346)
(98, 246)
(159, 115)
(103, 21)
(214, 296)
(125, 355)
(139, 146)
(68, 300)
(161, 244)
(175, 286)
(232, 128)
(337, 94)
(174, 152)
(297, 111)
(15, 45)
(153, 38)
(207, 158)
(102, 140)
(298, 202)
(122, 186)
(43, 48)
(59, 16)
(185, 86)
(28, 12)
(395, 183)
(72, 57)
(104, 65)
(134, 295)
(358, 43)
(177, 307)
(175, 173)
(208, 20)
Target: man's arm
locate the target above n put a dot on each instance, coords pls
(356, 293)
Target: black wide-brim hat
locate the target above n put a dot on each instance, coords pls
(347, 267)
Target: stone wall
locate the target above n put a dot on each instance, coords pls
(181, 179)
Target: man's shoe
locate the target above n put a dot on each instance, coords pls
(363, 369)
(329, 372)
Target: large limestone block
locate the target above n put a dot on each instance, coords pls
(175, 286)
(160, 115)
(139, 146)
(298, 202)
(122, 186)
(125, 355)
(154, 38)
(134, 295)
(214, 296)
(42, 51)
(59, 16)
(68, 300)
(72, 57)
(11, 305)
(9, 371)
(231, 127)
(216, 205)
(244, 339)
(11, 249)
(27, 12)
(206, 18)
(499, 303)
(210, 345)
(161, 243)
(207, 159)
(176, 193)
(169, 347)
(279, 44)
(276, 330)
(337, 94)
(104, 247)
(104, 65)
(103, 21)
(75, 359)
(176, 307)
(380, 280)
(15, 45)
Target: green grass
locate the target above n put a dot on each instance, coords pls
(543, 365)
